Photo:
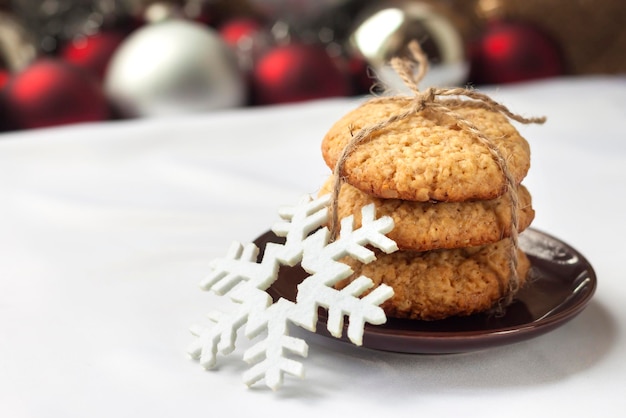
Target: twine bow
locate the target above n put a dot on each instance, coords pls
(440, 100)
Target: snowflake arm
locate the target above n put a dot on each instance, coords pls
(221, 337)
(270, 353)
(298, 222)
(239, 264)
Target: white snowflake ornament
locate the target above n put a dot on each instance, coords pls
(244, 280)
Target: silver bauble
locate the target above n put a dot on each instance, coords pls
(384, 31)
(174, 67)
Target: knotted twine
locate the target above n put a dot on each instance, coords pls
(440, 100)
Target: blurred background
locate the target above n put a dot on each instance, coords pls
(73, 61)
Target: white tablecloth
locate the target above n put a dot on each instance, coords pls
(107, 229)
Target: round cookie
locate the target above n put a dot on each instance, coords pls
(423, 226)
(427, 156)
(443, 283)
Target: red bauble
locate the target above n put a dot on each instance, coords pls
(297, 72)
(514, 51)
(93, 52)
(51, 92)
(4, 77)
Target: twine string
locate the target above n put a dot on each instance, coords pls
(440, 100)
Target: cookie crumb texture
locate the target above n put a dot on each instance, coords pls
(427, 156)
(442, 283)
(423, 226)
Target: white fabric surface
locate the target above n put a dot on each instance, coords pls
(106, 230)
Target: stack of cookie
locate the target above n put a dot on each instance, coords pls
(447, 197)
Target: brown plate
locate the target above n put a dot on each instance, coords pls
(563, 283)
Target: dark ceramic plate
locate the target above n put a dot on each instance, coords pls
(563, 283)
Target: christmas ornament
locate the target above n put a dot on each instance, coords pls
(296, 72)
(510, 52)
(51, 92)
(245, 281)
(384, 31)
(589, 34)
(4, 77)
(4, 122)
(174, 67)
(92, 53)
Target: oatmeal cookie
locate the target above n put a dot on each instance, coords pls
(422, 226)
(438, 284)
(427, 156)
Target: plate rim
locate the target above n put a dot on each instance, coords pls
(463, 341)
